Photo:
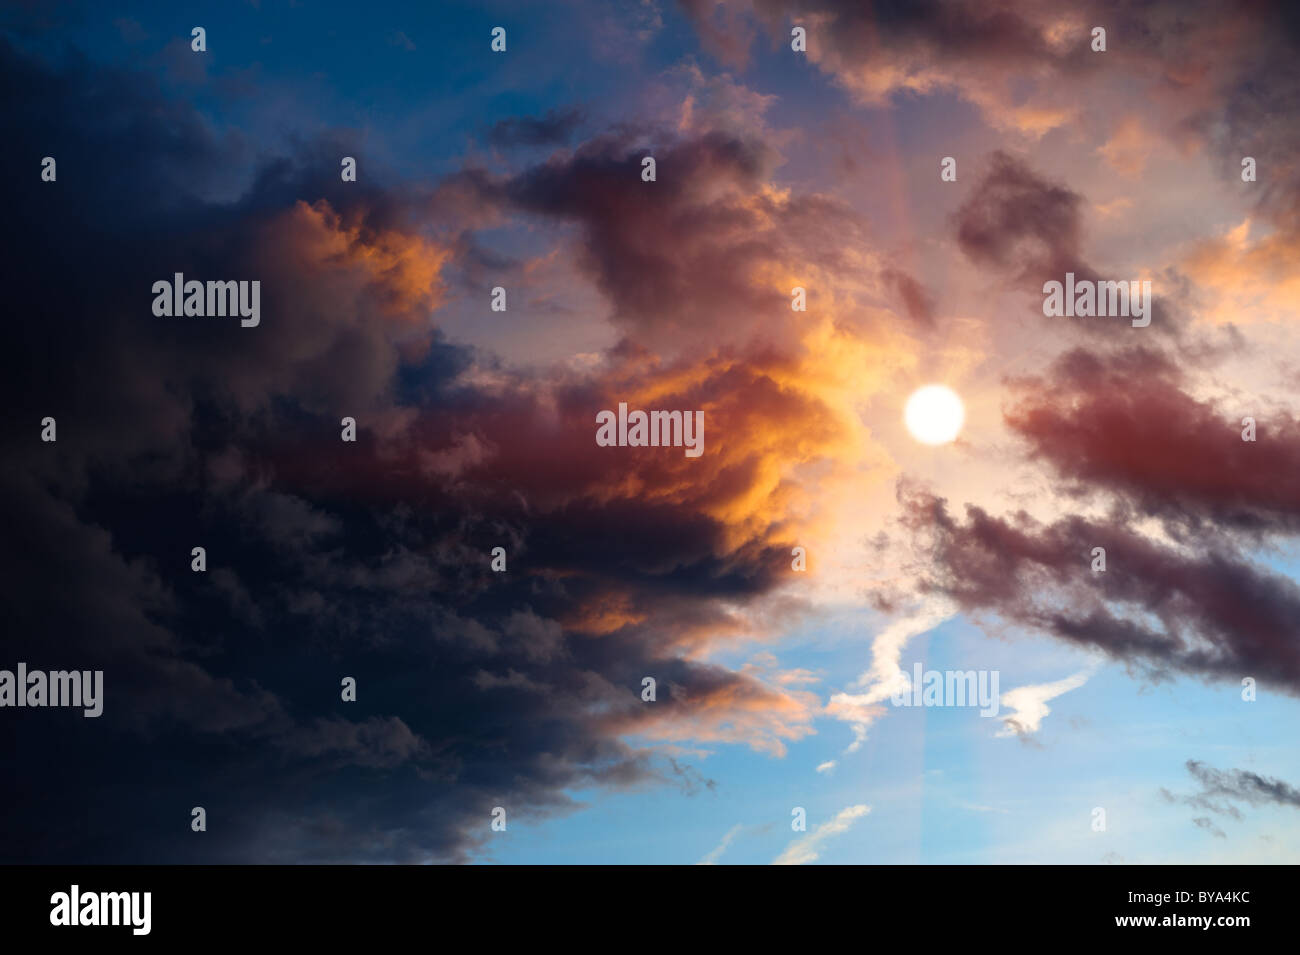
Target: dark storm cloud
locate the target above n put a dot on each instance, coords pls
(707, 229)
(325, 559)
(1122, 422)
(626, 230)
(688, 262)
(1160, 609)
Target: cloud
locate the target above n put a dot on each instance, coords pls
(1123, 423)
(1029, 703)
(1220, 789)
(1029, 229)
(808, 848)
(886, 677)
(1015, 220)
(1028, 66)
(714, 854)
(916, 300)
(376, 742)
(723, 28)
(1156, 607)
(985, 54)
(1129, 147)
(1241, 785)
(1204, 822)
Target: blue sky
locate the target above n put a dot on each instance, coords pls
(944, 790)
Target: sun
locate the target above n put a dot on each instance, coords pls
(934, 414)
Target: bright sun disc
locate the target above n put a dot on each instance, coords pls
(934, 415)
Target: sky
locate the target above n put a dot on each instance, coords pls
(922, 171)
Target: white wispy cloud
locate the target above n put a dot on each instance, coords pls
(716, 852)
(1029, 703)
(807, 848)
(886, 677)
